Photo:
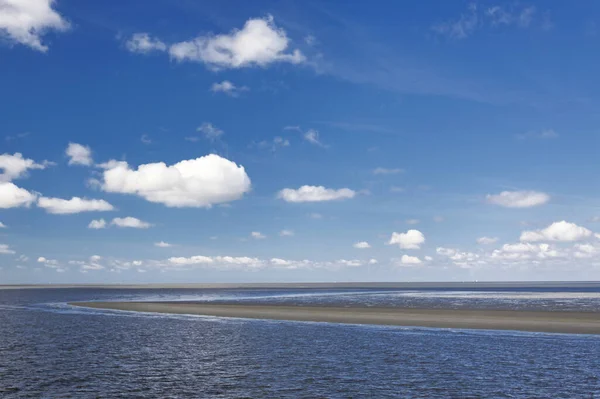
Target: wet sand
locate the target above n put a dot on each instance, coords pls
(553, 322)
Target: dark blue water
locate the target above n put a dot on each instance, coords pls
(50, 350)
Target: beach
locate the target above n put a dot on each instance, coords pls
(531, 321)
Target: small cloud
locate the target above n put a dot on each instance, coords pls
(312, 136)
(163, 244)
(275, 144)
(361, 245)
(413, 221)
(193, 139)
(130, 222)
(286, 233)
(410, 260)
(97, 224)
(146, 139)
(17, 136)
(487, 240)
(315, 216)
(438, 219)
(228, 88)
(518, 199)
(315, 194)
(3, 226)
(310, 40)
(59, 206)
(412, 239)
(210, 131)
(386, 171)
(6, 250)
(541, 135)
(79, 154)
(257, 235)
(143, 43)
(396, 189)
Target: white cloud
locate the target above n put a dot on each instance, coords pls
(461, 28)
(412, 239)
(386, 171)
(143, 43)
(131, 222)
(557, 231)
(518, 199)
(145, 139)
(413, 221)
(410, 260)
(60, 206)
(12, 196)
(315, 215)
(210, 132)
(286, 233)
(458, 257)
(257, 235)
(163, 244)
(200, 182)
(312, 136)
(228, 88)
(315, 194)
(373, 261)
(97, 224)
(5, 250)
(3, 226)
(487, 240)
(15, 166)
(362, 245)
(25, 21)
(275, 144)
(396, 189)
(258, 43)
(543, 135)
(495, 16)
(79, 154)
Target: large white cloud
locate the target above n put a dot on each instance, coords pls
(200, 182)
(25, 21)
(412, 239)
(557, 231)
(315, 194)
(518, 199)
(79, 154)
(12, 196)
(61, 206)
(15, 166)
(130, 222)
(260, 42)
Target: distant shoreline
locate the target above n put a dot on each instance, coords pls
(550, 322)
(338, 285)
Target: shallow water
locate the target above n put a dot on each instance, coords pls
(51, 350)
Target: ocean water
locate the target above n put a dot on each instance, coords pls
(49, 349)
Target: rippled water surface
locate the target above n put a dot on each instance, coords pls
(51, 350)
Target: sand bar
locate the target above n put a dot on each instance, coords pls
(554, 322)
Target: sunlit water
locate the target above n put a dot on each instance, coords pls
(49, 349)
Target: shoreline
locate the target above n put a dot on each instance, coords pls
(530, 321)
(325, 285)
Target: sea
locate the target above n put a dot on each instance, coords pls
(50, 349)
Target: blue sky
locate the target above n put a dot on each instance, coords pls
(182, 141)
